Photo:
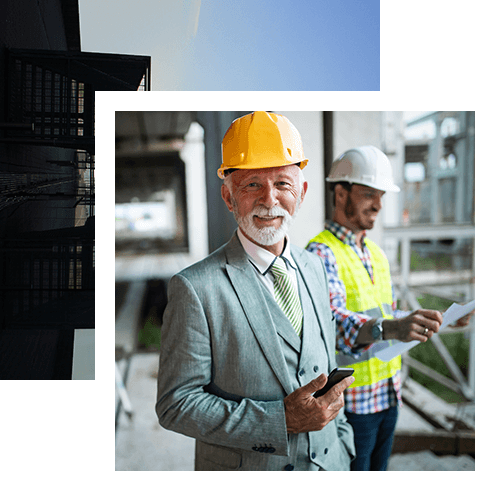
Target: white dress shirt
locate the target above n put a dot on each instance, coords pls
(262, 260)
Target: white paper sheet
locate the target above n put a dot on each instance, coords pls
(450, 316)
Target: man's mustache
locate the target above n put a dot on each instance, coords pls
(276, 211)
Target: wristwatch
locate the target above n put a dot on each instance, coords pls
(377, 329)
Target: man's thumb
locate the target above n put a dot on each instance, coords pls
(317, 383)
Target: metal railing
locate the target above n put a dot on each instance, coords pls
(405, 235)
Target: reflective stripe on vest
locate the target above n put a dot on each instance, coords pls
(362, 296)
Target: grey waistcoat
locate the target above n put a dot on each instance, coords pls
(307, 358)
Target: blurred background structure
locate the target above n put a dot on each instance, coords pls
(169, 213)
(47, 186)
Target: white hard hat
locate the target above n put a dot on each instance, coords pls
(366, 165)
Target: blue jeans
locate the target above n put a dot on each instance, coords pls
(373, 438)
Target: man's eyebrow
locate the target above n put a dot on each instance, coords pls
(256, 178)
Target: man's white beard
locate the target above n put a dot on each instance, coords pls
(266, 235)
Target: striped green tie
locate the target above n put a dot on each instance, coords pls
(286, 295)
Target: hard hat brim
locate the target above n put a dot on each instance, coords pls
(221, 171)
(391, 187)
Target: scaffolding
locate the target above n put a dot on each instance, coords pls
(438, 231)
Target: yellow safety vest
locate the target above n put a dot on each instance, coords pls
(364, 297)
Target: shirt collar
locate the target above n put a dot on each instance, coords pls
(260, 257)
(342, 233)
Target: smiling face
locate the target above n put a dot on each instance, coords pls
(264, 202)
(358, 208)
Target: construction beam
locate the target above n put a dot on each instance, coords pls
(431, 231)
(433, 409)
(439, 442)
(454, 370)
(433, 374)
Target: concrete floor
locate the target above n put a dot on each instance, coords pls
(141, 444)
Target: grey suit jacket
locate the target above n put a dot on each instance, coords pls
(223, 372)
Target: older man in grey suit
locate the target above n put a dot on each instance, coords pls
(248, 335)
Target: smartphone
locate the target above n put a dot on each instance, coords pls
(336, 375)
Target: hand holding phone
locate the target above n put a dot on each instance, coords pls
(336, 375)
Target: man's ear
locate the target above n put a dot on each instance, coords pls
(304, 189)
(340, 193)
(226, 196)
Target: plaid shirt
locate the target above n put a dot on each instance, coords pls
(385, 393)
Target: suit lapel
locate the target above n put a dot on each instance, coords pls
(249, 292)
(282, 325)
(317, 294)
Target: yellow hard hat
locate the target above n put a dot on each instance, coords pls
(260, 140)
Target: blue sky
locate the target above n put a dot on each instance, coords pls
(243, 44)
